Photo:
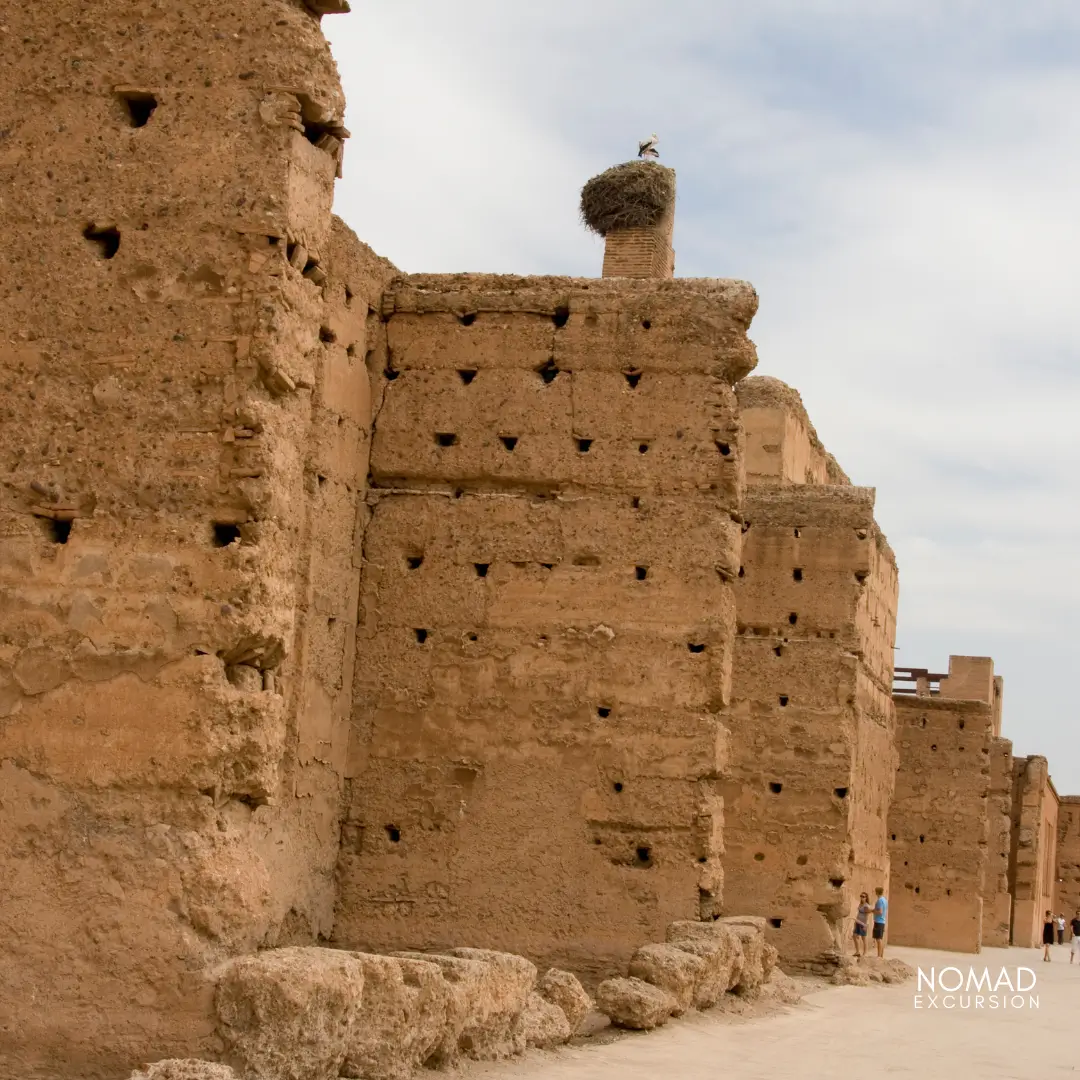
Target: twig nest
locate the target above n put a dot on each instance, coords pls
(634, 195)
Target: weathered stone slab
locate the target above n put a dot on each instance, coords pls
(669, 968)
(543, 1023)
(634, 1003)
(403, 1017)
(290, 1014)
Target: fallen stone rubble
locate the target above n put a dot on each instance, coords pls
(870, 969)
(725, 963)
(307, 1013)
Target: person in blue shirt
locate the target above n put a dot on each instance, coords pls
(881, 907)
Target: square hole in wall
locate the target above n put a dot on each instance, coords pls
(56, 532)
(104, 238)
(548, 371)
(139, 105)
(225, 533)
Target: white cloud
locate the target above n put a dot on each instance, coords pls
(898, 178)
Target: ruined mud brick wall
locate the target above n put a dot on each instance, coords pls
(782, 446)
(997, 900)
(184, 452)
(1067, 895)
(940, 823)
(547, 616)
(811, 759)
(1033, 852)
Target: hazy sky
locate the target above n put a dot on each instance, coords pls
(900, 179)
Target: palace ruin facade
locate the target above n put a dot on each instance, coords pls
(375, 611)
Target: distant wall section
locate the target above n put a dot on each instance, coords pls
(940, 824)
(1033, 855)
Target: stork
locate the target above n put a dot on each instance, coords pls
(647, 147)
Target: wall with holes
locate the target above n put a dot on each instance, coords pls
(812, 759)
(184, 451)
(811, 721)
(546, 615)
(939, 824)
(1033, 855)
(1067, 896)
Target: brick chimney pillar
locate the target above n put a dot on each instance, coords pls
(641, 252)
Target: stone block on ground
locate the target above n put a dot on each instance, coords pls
(634, 1003)
(290, 1014)
(750, 930)
(488, 994)
(403, 1017)
(517, 976)
(544, 1024)
(562, 988)
(720, 952)
(511, 980)
(184, 1069)
(669, 968)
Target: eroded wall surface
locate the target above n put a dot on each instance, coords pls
(184, 454)
(939, 823)
(997, 899)
(1067, 895)
(1033, 854)
(547, 617)
(811, 761)
(782, 446)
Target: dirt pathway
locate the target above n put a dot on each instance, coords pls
(850, 1032)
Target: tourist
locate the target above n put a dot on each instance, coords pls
(1048, 934)
(881, 907)
(1075, 950)
(1060, 921)
(862, 917)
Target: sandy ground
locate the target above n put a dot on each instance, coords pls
(852, 1032)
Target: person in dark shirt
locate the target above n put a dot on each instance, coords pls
(862, 916)
(1075, 924)
(1048, 934)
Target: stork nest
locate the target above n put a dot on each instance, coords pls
(635, 195)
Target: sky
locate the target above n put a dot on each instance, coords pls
(899, 179)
